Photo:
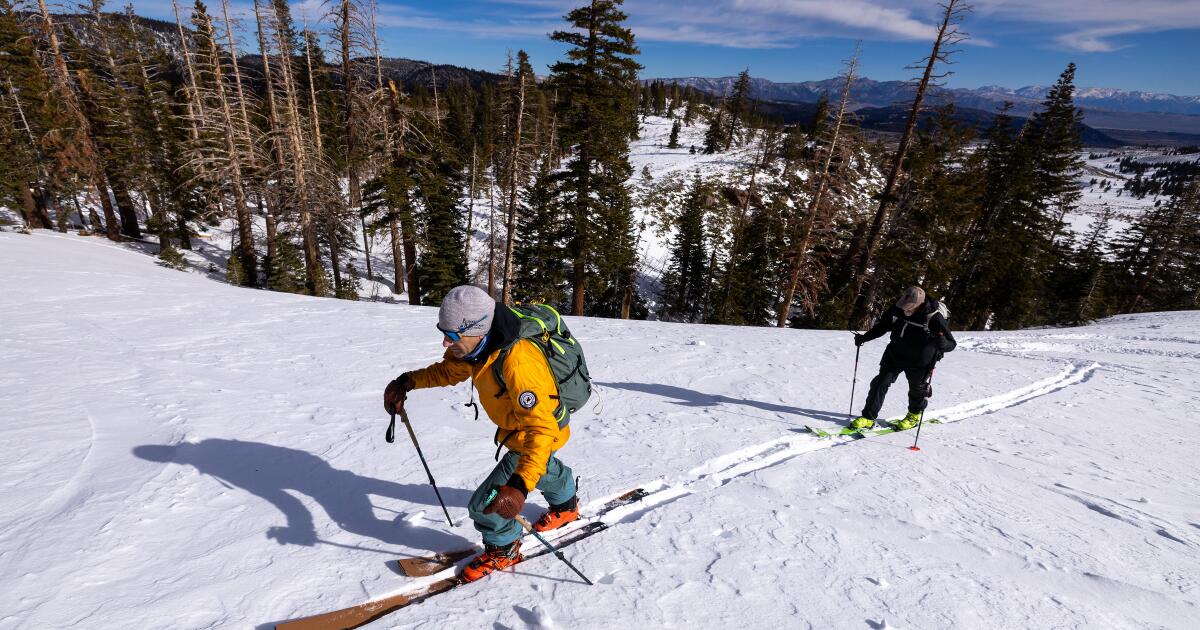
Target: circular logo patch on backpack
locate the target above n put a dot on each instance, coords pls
(528, 400)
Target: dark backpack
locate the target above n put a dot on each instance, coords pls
(542, 325)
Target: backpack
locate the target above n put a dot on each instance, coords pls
(543, 325)
(940, 308)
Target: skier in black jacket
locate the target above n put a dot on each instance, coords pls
(920, 336)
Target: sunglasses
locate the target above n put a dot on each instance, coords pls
(452, 335)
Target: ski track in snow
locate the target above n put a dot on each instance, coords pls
(718, 471)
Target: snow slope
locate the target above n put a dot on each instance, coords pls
(179, 453)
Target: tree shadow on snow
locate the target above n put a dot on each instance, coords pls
(693, 398)
(275, 472)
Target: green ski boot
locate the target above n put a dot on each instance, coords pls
(862, 422)
(909, 421)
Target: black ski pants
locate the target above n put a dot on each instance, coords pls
(918, 390)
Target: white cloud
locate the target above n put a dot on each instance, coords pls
(1092, 24)
(1082, 25)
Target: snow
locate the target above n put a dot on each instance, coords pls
(1126, 208)
(180, 453)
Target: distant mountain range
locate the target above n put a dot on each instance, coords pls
(870, 93)
(409, 74)
(1104, 108)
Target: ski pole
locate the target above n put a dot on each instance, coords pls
(529, 528)
(854, 383)
(391, 437)
(921, 420)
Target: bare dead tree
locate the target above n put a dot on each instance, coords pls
(947, 37)
(229, 158)
(83, 137)
(799, 250)
(35, 213)
(299, 159)
(513, 170)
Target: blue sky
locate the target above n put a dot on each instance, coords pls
(1150, 45)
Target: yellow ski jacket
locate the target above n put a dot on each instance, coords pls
(524, 412)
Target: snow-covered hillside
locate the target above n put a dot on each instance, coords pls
(1104, 168)
(180, 453)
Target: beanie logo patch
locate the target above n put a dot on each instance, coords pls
(527, 399)
(467, 325)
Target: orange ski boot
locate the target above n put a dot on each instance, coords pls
(558, 515)
(493, 559)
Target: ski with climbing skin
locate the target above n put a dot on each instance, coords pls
(362, 614)
(888, 426)
(428, 565)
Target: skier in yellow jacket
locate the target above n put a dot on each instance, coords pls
(475, 330)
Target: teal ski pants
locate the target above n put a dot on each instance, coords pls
(558, 486)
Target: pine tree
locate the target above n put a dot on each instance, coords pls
(715, 139)
(1159, 255)
(934, 209)
(540, 268)
(595, 85)
(1053, 136)
(673, 142)
(736, 106)
(689, 109)
(1084, 294)
(438, 179)
(24, 179)
(947, 36)
(684, 281)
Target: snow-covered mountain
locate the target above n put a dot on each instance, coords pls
(870, 93)
(1104, 108)
(180, 453)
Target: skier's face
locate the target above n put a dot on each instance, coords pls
(909, 310)
(463, 346)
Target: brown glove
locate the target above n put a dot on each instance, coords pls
(396, 393)
(508, 502)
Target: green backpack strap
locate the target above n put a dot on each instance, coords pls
(537, 331)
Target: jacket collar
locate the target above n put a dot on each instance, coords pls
(505, 330)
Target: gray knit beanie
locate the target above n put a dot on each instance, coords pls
(912, 296)
(467, 310)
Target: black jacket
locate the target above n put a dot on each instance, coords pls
(918, 340)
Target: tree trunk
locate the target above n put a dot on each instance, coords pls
(471, 207)
(93, 219)
(111, 228)
(335, 260)
(580, 246)
(29, 209)
(491, 272)
(514, 167)
(125, 207)
(397, 256)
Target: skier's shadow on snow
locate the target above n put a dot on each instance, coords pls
(275, 473)
(693, 398)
